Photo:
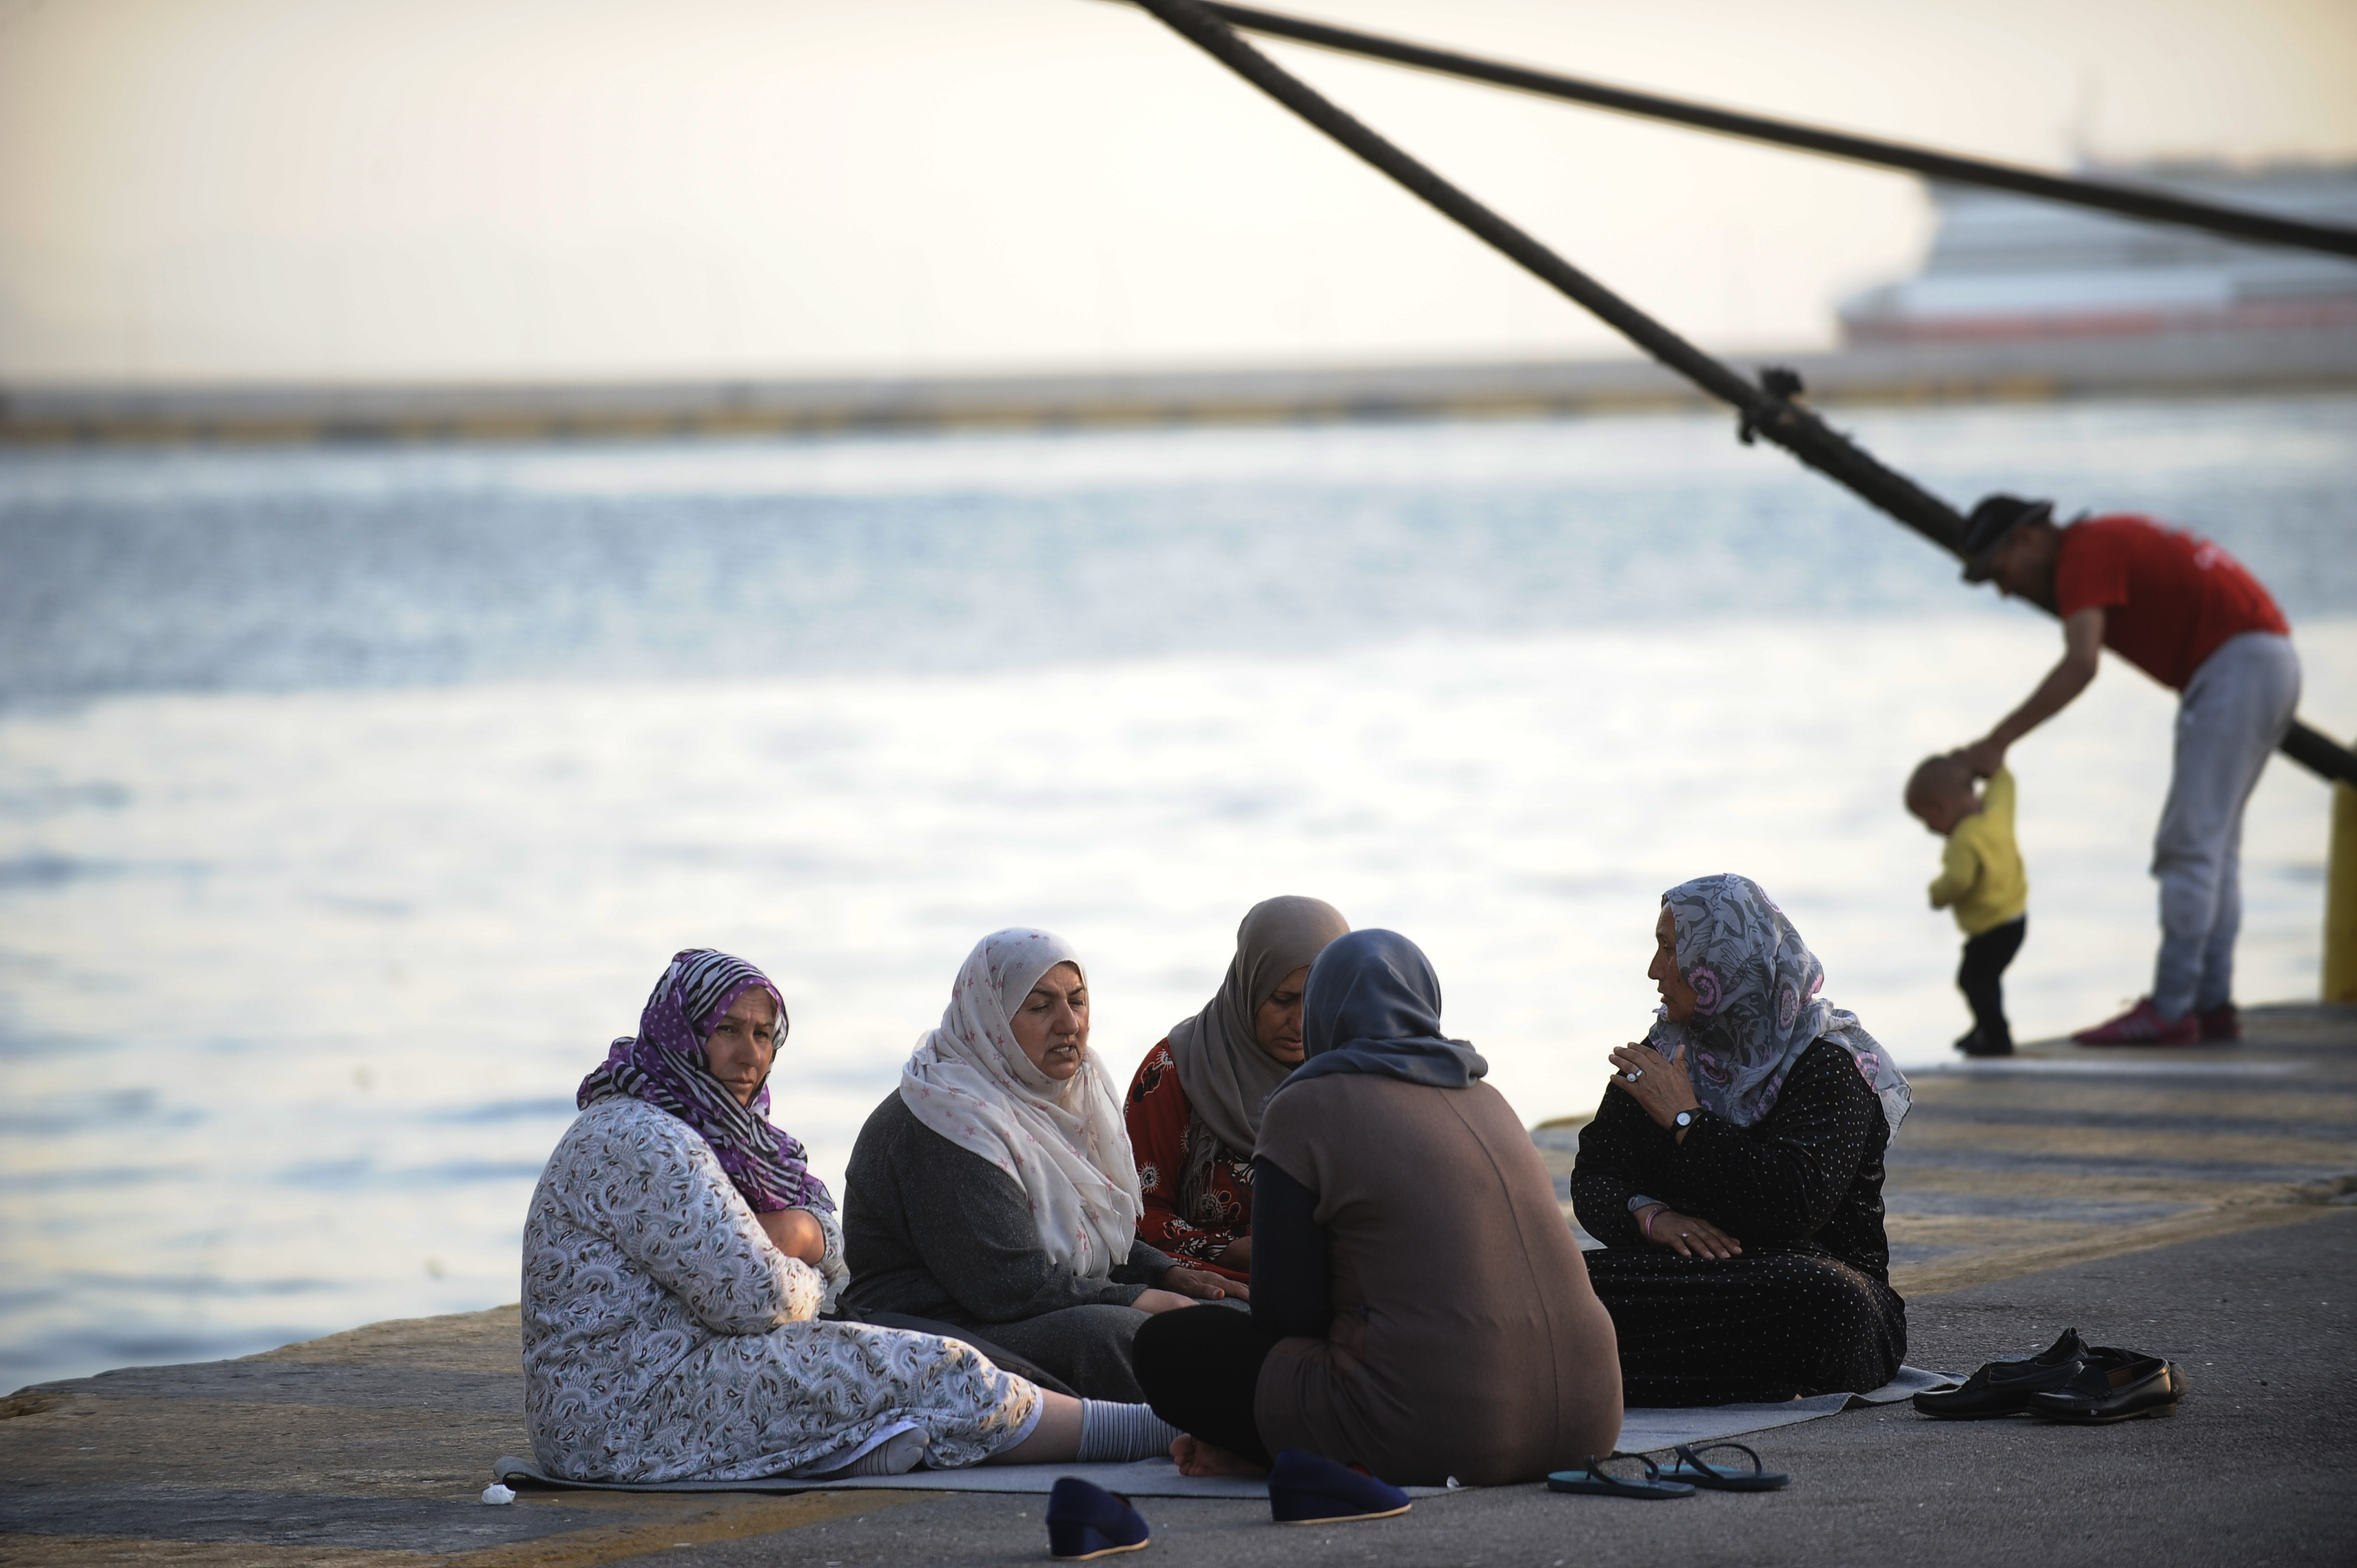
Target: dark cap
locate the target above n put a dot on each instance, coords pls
(1995, 517)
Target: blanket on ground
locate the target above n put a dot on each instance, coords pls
(1642, 1432)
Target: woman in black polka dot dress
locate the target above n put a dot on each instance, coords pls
(1734, 1172)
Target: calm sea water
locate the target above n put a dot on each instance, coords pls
(350, 801)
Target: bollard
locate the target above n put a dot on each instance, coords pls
(2341, 899)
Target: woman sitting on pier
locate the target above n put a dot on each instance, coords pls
(1418, 1303)
(1194, 1106)
(676, 1255)
(1734, 1171)
(994, 1190)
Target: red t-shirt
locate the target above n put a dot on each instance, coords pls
(2169, 598)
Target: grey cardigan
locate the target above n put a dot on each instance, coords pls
(933, 1231)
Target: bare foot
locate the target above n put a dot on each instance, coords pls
(1197, 1458)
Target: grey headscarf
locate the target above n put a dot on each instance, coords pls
(1221, 1065)
(1757, 1005)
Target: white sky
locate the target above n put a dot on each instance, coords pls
(366, 190)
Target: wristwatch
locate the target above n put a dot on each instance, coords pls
(1685, 1119)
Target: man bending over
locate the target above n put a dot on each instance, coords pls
(2186, 613)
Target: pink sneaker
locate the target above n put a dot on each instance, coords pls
(2140, 1025)
(2221, 1023)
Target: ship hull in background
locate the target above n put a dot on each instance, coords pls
(2009, 268)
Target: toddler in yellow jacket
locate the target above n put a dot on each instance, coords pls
(1981, 876)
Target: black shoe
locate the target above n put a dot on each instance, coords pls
(2004, 1387)
(2114, 1385)
(1975, 1044)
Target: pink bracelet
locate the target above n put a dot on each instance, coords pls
(1645, 1224)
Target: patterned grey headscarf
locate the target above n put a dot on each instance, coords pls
(1757, 1005)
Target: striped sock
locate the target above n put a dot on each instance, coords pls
(1120, 1433)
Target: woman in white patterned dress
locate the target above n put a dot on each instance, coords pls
(677, 1255)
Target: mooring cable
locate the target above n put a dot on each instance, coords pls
(2106, 196)
(1766, 409)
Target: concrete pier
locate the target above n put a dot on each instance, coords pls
(2199, 1204)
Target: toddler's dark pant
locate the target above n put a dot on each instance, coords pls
(1982, 978)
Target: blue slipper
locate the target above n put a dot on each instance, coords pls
(1086, 1521)
(1597, 1481)
(1308, 1489)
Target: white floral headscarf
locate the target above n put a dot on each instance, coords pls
(1064, 1143)
(1757, 1005)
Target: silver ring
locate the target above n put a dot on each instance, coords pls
(1634, 1074)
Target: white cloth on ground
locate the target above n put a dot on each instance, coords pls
(1641, 1430)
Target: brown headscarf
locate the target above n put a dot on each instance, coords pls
(1222, 1067)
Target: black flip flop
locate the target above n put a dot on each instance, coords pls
(1596, 1481)
(1695, 1471)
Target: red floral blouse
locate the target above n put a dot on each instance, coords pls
(1160, 1123)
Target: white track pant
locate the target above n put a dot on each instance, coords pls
(2236, 712)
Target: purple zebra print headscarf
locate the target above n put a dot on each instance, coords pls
(663, 1064)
